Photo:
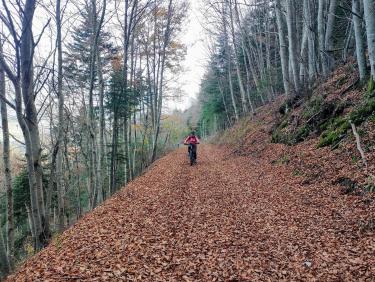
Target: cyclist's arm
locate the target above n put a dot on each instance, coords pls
(187, 140)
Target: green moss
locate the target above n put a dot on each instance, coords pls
(362, 112)
(324, 117)
(313, 106)
(284, 124)
(301, 134)
(279, 137)
(372, 118)
(370, 85)
(336, 130)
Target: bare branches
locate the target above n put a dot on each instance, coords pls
(42, 32)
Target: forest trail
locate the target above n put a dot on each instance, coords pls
(229, 218)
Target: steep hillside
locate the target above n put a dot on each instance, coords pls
(314, 135)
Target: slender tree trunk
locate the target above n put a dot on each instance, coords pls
(113, 183)
(303, 57)
(292, 45)
(7, 166)
(101, 151)
(369, 9)
(321, 33)
(329, 33)
(308, 15)
(126, 150)
(31, 132)
(248, 77)
(166, 42)
(27, 118)
(236, 62)
(60, 139)
(91, 114)
(224, 102)
(229, 59)
(348, 41)
(4, 263)
(93, 153)
(283, 48)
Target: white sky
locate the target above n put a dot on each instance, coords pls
(194, 65)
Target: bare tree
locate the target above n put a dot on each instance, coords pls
(22, 78)
(7, 166)
(283, 47)
(61, 118)
(329, 44)
(291, 23)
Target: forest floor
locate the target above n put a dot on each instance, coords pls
(262, 214)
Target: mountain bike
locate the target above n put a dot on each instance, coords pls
(192, 153)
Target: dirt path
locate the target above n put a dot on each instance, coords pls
(227, 219)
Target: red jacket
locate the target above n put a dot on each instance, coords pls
(191, 140)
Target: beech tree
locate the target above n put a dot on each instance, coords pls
(22, 78)
(369, 9)
(6, 250)
(359, 41)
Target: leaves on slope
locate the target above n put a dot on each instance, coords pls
(230, 218)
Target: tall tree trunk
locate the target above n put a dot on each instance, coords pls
(236, 62)
(114, 145)
(4, 264)
(34, 150)
(291, 23)
(359, 41)
(283, 48)
(308, 15)
(127, 41)
(229, 59)
(101, 151)
(23, 82)
(224, 102)
(329, 33)
(126, 150)
(303, 56)
(321, 36)
(7, 166)
(61, 124)
(93, 153)
(166, 42)
(369, 9)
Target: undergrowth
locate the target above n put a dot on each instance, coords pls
(319, 117)
(337, 128)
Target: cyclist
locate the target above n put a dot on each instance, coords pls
(192, 140)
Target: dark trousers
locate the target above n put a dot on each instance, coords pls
(194, 148)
